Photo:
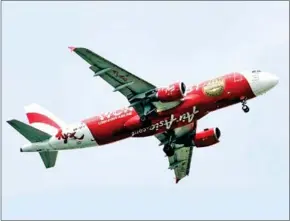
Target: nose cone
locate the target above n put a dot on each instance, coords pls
(267, 81)
(261, 82)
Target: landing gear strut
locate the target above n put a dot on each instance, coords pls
(245, 107)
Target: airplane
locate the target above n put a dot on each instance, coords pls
(168, 113)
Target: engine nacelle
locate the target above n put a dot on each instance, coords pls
(207, 137)
(173, 92)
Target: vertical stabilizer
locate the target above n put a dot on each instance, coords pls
(42, 119)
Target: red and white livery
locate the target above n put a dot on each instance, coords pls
(169, 113)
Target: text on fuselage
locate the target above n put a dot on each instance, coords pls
(185, 118)
(111, 116)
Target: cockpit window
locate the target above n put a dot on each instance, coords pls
(256, 71)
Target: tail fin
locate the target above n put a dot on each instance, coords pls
(42, 119)
(35, 135)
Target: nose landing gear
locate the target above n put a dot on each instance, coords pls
(245, 107)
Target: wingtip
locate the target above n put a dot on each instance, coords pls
(177, 180)
(71, 48)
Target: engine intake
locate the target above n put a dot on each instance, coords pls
(173, 92)
(207, 137)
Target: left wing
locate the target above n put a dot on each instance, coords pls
(180, 162)
(135, 89)
(121, 80)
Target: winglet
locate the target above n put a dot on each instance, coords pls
(71, 48)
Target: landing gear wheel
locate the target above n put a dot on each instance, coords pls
(245, 108)
(145, 121)
(168, 150)
(143, 118)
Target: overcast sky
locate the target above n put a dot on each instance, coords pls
(245, 176)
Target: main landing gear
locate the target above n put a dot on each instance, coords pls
(178, 142)
(169, 146)
(168, 150)
(145, 117)
(245, 107)
(145, 121)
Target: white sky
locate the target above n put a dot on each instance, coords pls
(245, 176)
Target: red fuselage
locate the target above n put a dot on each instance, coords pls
(198, 101)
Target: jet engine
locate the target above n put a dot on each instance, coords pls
(207, 137)
(173, 92)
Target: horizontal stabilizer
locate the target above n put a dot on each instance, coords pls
(30, 133)
(49, 158)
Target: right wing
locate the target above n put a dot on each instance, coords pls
(180, 162)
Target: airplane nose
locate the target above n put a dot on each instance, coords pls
(261, 82)
(267, 81)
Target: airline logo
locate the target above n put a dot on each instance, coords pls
(185, 118)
